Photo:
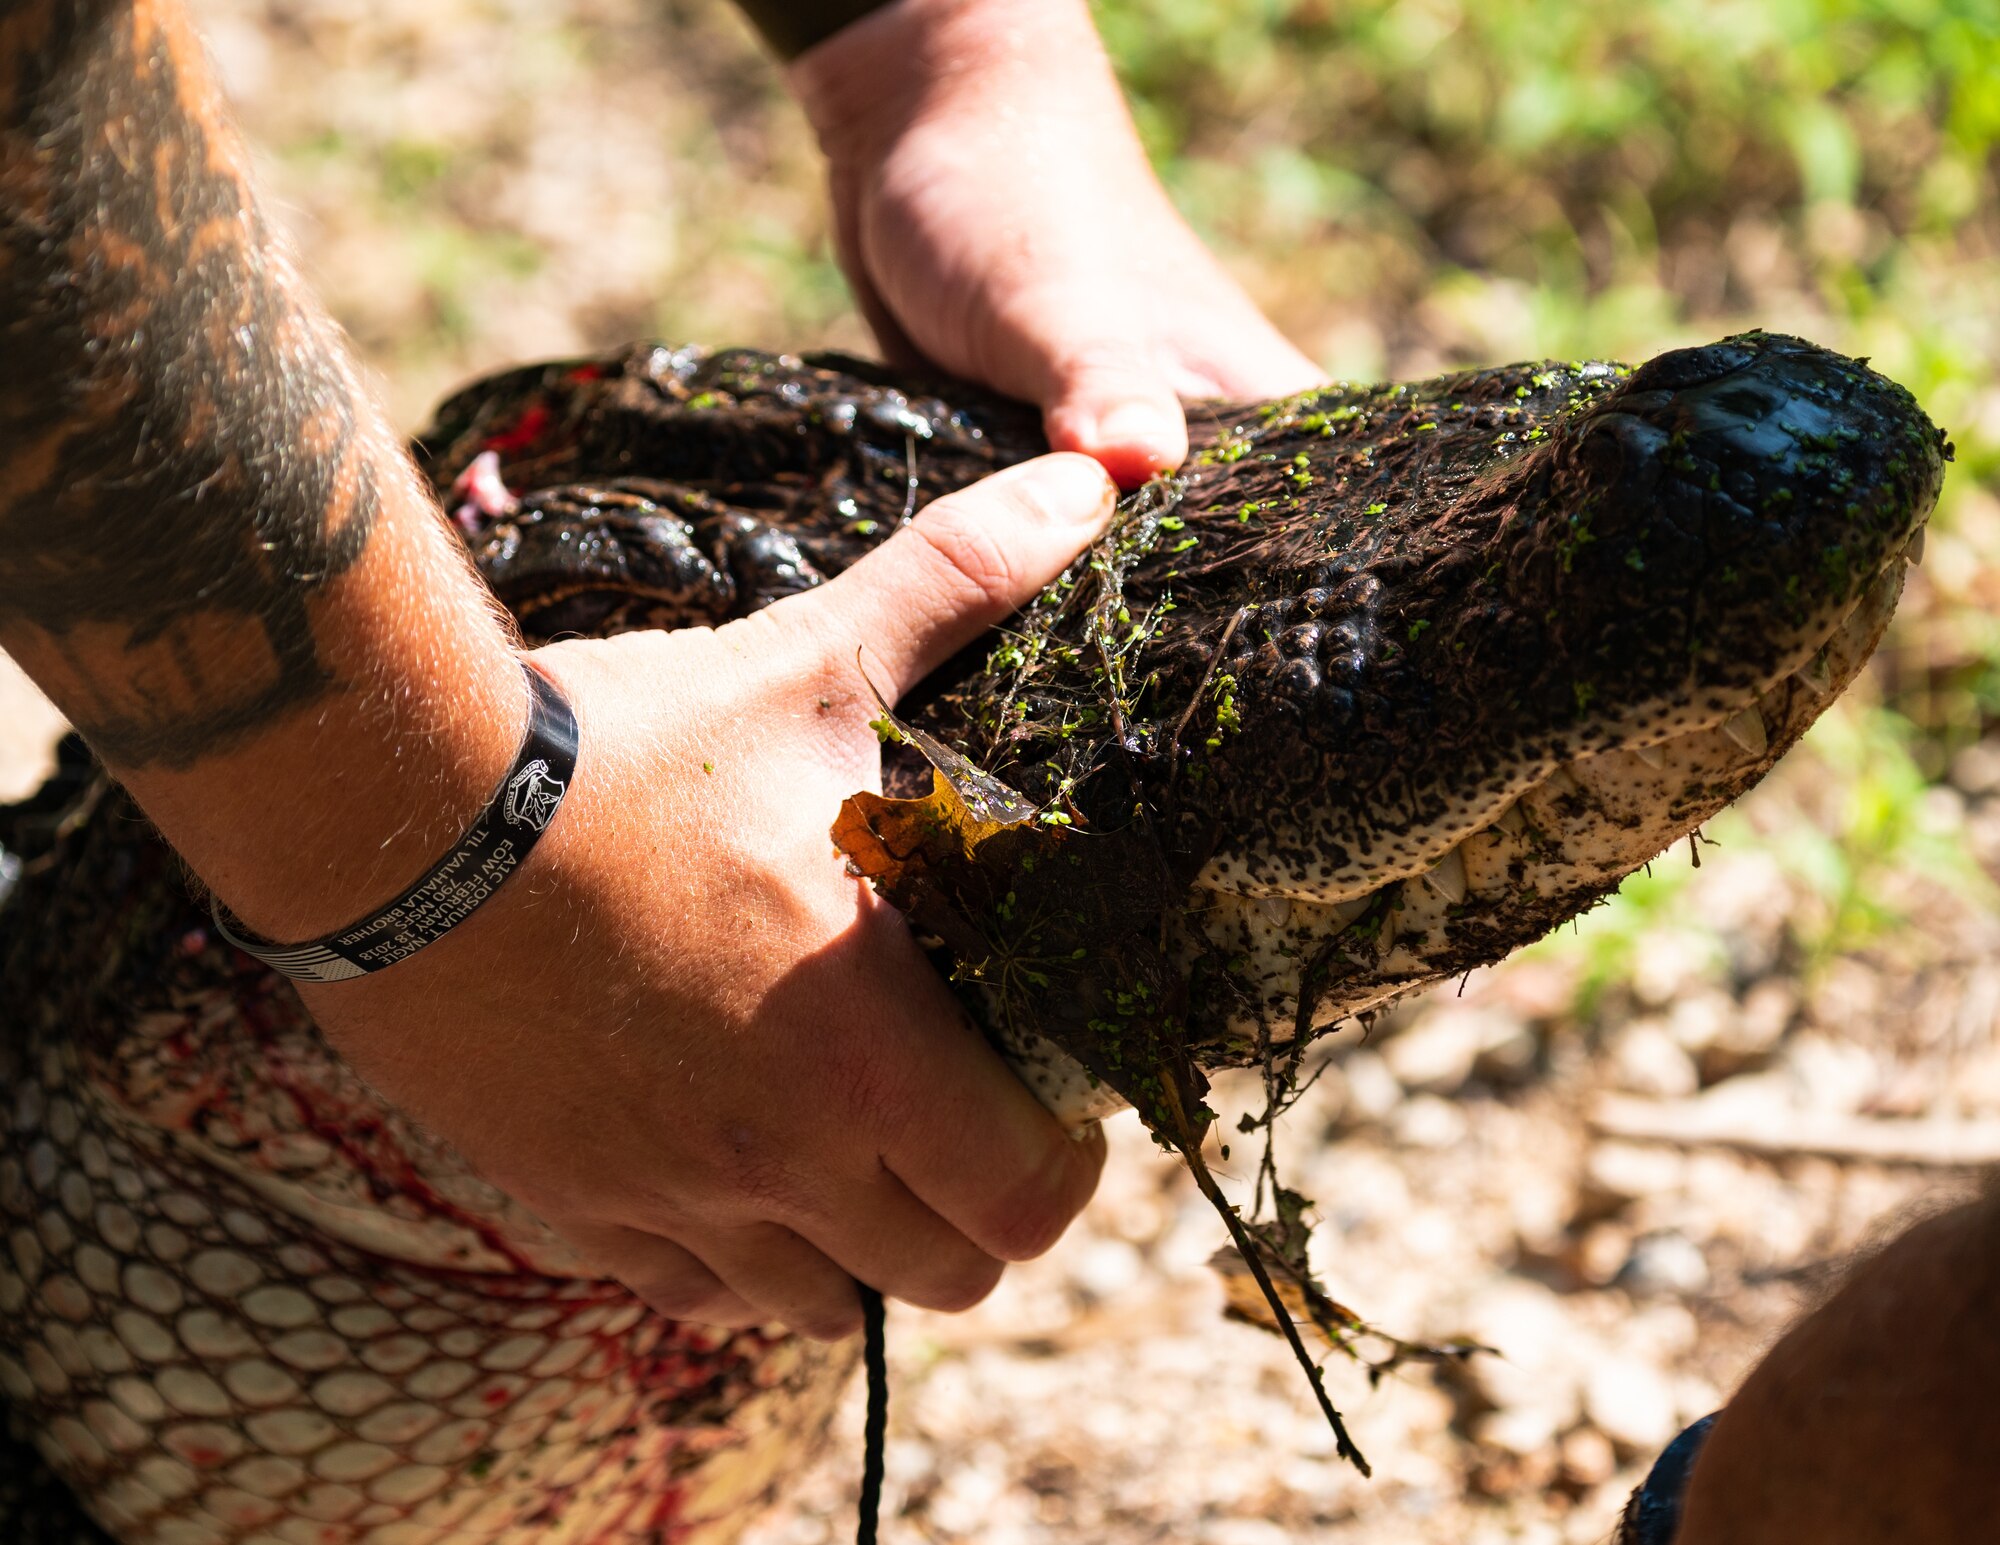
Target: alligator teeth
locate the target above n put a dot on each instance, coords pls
(1347, 911)
(1914, 553)
(1511, 821)
(1447, 877)
(1747, 730)
(1816, 676)
(1652, 756)
(1277, 910)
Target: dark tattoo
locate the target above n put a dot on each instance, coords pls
(184, 455)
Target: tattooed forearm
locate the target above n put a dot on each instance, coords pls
(185, 457)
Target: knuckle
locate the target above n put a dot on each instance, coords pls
(962, 1290)
(685, 1294)
(827, 1327)
(972, 553)
(1026, 1225)
(869, 1092)
(1031, 1215)
(679, 1300)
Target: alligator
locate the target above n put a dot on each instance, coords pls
(1386, 682)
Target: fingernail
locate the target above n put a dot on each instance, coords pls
(1064, 489)
(1136, 440)
(1138, 426)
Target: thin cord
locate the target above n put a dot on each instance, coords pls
(875, 1432)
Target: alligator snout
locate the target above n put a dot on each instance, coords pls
(1710, 519)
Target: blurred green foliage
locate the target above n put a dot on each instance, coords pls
(1420, 183)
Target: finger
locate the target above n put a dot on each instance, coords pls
(967, 562)
(793, 1282)
(1085, 353)
(895, 344)
(955, 1124)
(1232, 351)
(1015, 1214)
(893, 1241)
(670, 1279)
(1112, 401)
(905, 1082)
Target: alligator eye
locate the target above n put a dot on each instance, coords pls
(1619, 443)
(1749, 402)
(1681, 368)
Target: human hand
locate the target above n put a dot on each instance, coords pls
(683, 1034)
(997, 218)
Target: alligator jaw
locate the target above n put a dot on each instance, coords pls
(1534, 856)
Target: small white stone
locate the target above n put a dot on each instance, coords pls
(1631, 1404)
(1107, 1267)
(1667, 1263)
(1646, 1059)
(1425, 1121)
(1372, 1090)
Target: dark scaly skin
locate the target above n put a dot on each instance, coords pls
(1395, 612)
(148, 1067)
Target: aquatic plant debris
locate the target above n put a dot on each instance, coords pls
(1155, 739)
(1049, 920)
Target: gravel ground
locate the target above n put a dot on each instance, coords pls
(1626, 1179)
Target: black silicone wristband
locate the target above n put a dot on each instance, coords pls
(493, 847)
(793, 26)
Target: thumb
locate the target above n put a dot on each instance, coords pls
(969, 561)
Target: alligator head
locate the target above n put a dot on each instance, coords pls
(1389, 682)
